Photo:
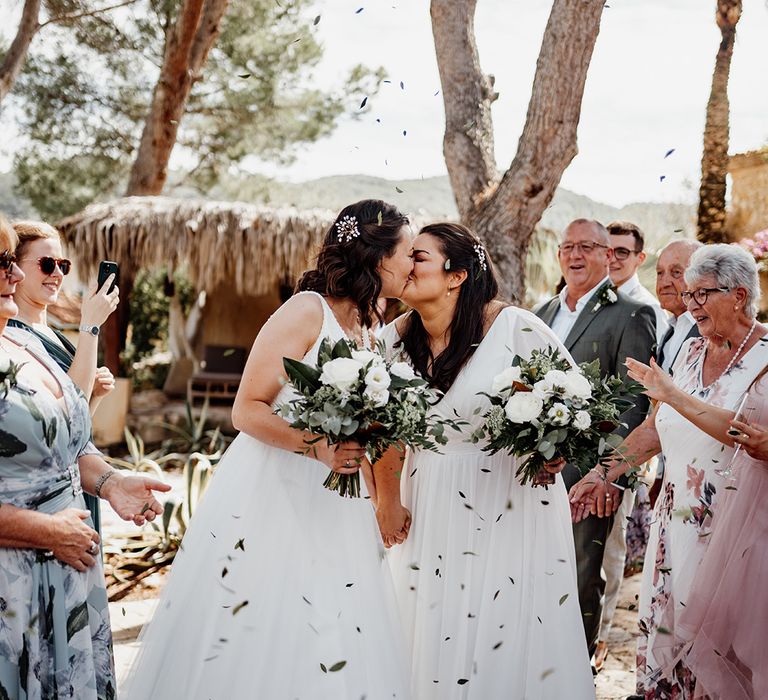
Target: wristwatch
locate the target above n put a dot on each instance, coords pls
(93, 330)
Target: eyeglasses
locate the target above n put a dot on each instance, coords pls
(622, 253)
(701, 295)
(7, 259)
(48, 265)
(585, 247)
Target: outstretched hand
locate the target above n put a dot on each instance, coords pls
(658, 384)
(132, 497)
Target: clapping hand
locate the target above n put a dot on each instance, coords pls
(593, 495)
(132, 497)
(658, 384)
(752, 438)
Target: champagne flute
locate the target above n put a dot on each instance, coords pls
(740, 415)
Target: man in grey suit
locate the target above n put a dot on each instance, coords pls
(595, 321)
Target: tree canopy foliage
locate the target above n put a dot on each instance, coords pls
(85, 93)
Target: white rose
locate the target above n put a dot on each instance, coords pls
(402, 370)
(582, 420)
(377, 398)
(577, 385)
(341, 373)
(554, 378)
(377, 379)
(523, 407)
(5, 364)
(559, 414)
(506, 379)
(612, 296)
(365, 357)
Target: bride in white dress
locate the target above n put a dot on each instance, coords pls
(486, 579)
(281, 590)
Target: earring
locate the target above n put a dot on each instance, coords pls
(448, 293)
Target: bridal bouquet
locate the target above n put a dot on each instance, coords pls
(357, 395)
(543, 409)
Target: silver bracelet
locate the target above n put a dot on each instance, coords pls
(103, 480)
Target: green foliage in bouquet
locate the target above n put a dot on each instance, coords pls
(543, 409)
(357, 395)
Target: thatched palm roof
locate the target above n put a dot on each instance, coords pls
(254, 247)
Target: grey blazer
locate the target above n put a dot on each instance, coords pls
(611, 333)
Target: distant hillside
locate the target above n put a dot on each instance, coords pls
(429, 197)
(432, 198)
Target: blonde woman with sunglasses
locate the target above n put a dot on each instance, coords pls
(40, 258)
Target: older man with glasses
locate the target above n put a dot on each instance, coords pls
(594, 320)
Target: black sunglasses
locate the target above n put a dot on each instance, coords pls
(7, 259)
(48, 265)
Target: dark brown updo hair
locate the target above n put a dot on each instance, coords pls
(347, 267)
(465, 252)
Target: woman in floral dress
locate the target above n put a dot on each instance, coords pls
(55, 639)
(716, 369)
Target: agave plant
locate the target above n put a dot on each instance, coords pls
(137, 460)
(194, 436)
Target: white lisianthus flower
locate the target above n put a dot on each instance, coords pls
(377, 379)
(341, 373)
(402, 370)
(576, 385)
(582, 420)
(506, 379)
(378, 398)
(523, 407)
(367, 356)
(559, 414)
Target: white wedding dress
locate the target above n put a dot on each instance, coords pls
(278, 581)
(486, 581)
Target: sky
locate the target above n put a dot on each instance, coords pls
(646, 92)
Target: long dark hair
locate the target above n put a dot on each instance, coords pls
(347, 264)
(462, 248)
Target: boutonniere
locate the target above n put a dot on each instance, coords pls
(606, 295)
(9, 371)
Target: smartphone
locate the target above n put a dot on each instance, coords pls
(107, 268)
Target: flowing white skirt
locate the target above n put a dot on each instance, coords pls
(278, 583)
(486, 583)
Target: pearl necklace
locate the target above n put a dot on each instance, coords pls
(740, 348)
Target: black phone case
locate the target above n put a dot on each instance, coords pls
(106, 268)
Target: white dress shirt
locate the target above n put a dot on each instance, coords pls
(682, 325)
(634, 290)
(565, 318)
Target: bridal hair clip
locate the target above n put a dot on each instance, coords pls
(481, 257)
(346, 229)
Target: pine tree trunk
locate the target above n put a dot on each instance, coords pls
(186, 51)
(17, 53)
(714, 160)
(504, 210)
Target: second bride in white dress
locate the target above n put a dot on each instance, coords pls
(486, 579)
(281, 591)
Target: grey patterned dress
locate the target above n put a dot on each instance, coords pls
(55, 639)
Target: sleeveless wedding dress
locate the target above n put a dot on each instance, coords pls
(486, 580)
(278, 582)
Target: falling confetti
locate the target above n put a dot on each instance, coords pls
(363, 103)
(662, 178)
(669, 152)
(316, 21)
(359, 10)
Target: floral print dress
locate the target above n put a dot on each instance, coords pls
(55, 639)
(682, 518)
